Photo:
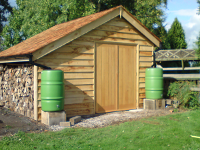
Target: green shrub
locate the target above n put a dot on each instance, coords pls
(180, 90)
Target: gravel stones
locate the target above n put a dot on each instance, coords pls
(98, 121)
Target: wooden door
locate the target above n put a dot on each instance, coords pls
(115, 77)
(127, 77)
(107, 77)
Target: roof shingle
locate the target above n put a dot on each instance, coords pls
(55, 33)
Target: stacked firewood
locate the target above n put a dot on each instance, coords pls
(17, 89)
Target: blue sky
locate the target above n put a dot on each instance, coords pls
(185, 11)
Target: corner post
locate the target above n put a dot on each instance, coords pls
(35, 92)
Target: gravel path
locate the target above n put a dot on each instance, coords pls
(103, 120)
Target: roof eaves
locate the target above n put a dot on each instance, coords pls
(124, 15)
(76, 34)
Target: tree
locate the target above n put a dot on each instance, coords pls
(150, 13)
(162, 34)
(5, 8)
(197, 43)
(176, 36)
(34, 16)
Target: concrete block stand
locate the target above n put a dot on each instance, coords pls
(53, 118)
(153, 104)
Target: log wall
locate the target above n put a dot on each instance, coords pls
(16, 91)
(77, 60)
(145, 61)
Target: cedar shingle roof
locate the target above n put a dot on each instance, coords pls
(55, 33)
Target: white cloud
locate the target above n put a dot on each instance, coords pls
(184, 12)
(190, 21)
(192, 29)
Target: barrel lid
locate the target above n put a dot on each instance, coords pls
(52, 70)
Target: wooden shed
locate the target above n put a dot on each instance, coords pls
(103, 56)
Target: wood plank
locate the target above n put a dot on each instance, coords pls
(145, 64)
(142, 69)
(75, 82)
(182, 76)
(74, 56)
(142, 90)
(75, 88)
(75, 112)
(72, 94)
(13, 60)
(141, 85)
(180, 68)
(39, 110)
(118, 29)
(142, 58)
(113, 74)
(79, 87)
(79, 82)
(39, 117)
(145, 48)
(74, 35)
(76, 100)
(78, 75)
(137, 81)
(142, 95)
(72, 69)
(114, 34)
(141, 100)
(141, 74)
(39, 82)
(146, 53)
(127, 77)
(141, 79)
(121, 40)
(75, 75)
(78, 93)
(79, 43)
(119, 23)
(139, 27)
(39, 103)
(95, 57)
(119, 19)
(35, 93)
(98, 78)
(39, 96)
(79, 106)
(65, 62)
(76, 49)
(75, 95)
(106, 79)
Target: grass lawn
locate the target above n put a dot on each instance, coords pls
(165, 132)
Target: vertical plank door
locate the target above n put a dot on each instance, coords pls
(106, 77)
(115, 77)
(127, 77)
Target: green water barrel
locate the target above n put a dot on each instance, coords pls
(154, 83)
(52, 90)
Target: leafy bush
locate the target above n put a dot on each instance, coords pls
(180, 90)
